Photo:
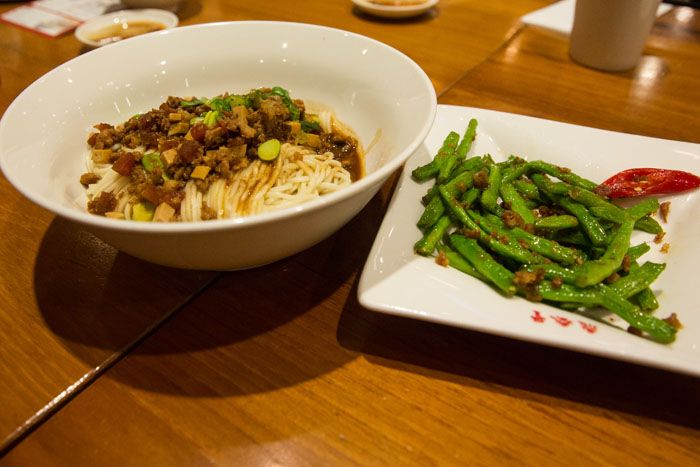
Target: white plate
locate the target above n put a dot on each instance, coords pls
(85, 31)
(398, 282)
(394, 11)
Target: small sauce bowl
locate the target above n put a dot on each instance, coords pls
(120, 25)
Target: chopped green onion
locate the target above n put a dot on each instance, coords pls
(211, 118)
(219, 104)
(310, 126)
(151, 160)
(192, 103)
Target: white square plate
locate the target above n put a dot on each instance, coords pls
(398, 282)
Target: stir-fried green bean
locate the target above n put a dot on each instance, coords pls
(552, 239)
(429, 170)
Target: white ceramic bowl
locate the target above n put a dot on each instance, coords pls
(85, 33)
(371, 86)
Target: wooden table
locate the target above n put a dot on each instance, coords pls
(201, 368)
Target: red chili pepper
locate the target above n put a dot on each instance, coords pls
(646, 181)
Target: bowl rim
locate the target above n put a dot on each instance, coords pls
(169, 19)
(369, 6)
(85, 218)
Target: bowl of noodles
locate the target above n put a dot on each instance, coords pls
(217, 146)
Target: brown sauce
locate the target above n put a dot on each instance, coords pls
(124, 30)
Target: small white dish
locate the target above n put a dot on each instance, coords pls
(397, 281)
(395, 11)
(95, 32)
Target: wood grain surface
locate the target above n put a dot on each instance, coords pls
(533, 75)
(280, 365)
(58, 282)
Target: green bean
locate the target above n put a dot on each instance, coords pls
(569, 294)
(657, 329)
(617, 216)
(460, 182)
(591, 200)
(470, 197)
(560, 173)
(458, 156)
(426, 245)
(556, 222)
(555, 188)
(554, 271)
(457, 261)
(636, 252)
(643, 208)
(515, 252)
(432, 168)
(484, 263)
(517, 204)
(545, 247)
(588, 222)
(585, 242)
(471, 163)
(527, 189)
(646, 300)
(489, 197)
(638, 279)
(457, 210)
(432, 212)
(649, 225)
(573, 238)
(513, 173)
(594, 271)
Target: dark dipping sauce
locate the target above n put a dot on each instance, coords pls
(345, 150)
(124, 30)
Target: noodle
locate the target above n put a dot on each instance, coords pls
(215, 167)
(298, 175)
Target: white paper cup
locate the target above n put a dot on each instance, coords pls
(610, 34)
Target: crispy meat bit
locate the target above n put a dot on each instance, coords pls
(471, 233)
(528, 282)
(189, 151)
(124, 164)
(674, 321)
(512, 219)
(106, 202)
(441, 259)
(626, 263)
(612, 278)
(665, 247)
(238, 121)
(546, 211)
(89, 178)
(481, 179)
(664, 210)
(557, 282)
(214, 137)
(635, 331)
(207, 212)
(198, 132)
(659, 237)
